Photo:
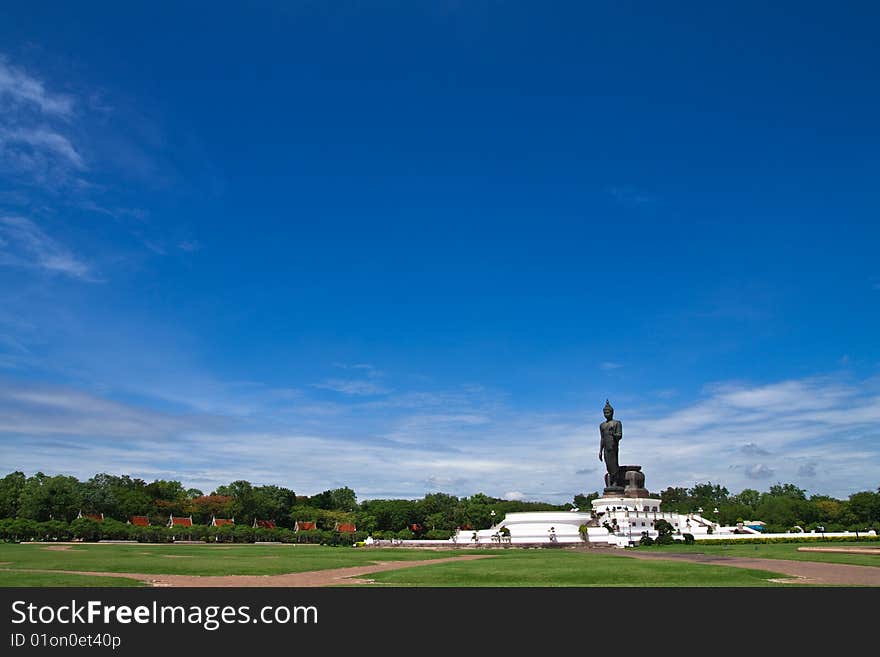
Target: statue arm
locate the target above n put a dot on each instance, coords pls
(618, 432)
(600, 443)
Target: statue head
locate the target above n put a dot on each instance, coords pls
(608, 410)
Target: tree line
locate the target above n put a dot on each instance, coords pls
(783, 507)
(42, 498)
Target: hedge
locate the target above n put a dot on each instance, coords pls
(14, 530)
(796, 538)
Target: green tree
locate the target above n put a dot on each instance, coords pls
(244, 500)
(709, 494)
(865, 507)
(677, 499)
(747, 497)
(788, 490)
(50, 498)
(582, 501)
(274, 503)
(11, 487)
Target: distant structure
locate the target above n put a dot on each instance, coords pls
(180, 521)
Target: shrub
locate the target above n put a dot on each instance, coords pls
(85, 529)
(664, 532)
(646, 540)
(795, 538)
(442, 534)
(688, 539)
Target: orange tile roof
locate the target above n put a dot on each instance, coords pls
(140, 521)
(264, 524)
(305, 525)
(345, 527)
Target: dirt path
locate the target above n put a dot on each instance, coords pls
(799, 572)
(844, 550)
(350, 575)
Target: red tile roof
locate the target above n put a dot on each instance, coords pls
(91, 516)
(180, 522)
(415, 527)
(220, 522)
(140, 521)
(304, 525)
(264, 524)
(345, 527)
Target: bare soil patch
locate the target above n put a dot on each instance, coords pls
(844, 550)
(799, 572)
(57, 548)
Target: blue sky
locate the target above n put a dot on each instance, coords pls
(414, 249)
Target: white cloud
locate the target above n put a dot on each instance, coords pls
(352, 387)
(456, 442)
(608, 365)
(20, 88)
(807, 470)
(759, 471)
(45, 140)
(24, 244)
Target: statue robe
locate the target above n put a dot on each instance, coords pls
(611, 433)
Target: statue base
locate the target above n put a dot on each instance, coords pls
(629, 482)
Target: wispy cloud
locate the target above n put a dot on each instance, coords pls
(631, 196)
(35, 144)
(458, 440)
(50, 143)
(352, 387)
(362, 368)
(20, 88)
(609, 365)
(752, 449)
(42, 140)
(759, 471)
(807, 470)
(24, 244)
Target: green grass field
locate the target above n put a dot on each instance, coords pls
(566, 568)
(777, 551)
(199, 559)
(61, 579)
(506, 567)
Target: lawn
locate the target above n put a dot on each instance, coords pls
(511, 567)
(568, 568)
(8, 578)
(777, 551)
(199, 559)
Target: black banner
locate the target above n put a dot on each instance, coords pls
(393, 621)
